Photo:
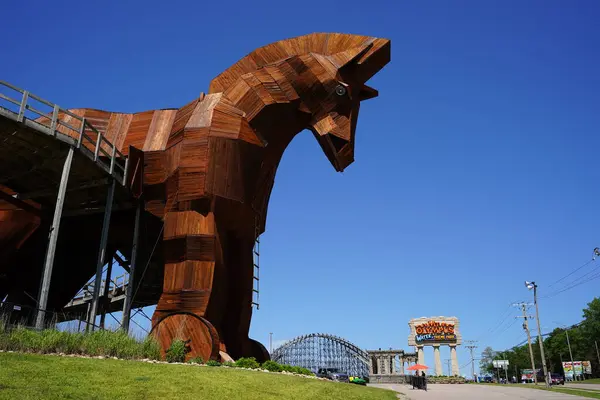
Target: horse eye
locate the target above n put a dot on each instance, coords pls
(340, 90)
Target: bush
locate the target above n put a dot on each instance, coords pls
(176, 352)
(196, 360)
(213, 363)
(271, 366)
(228, 364)
(296, 370)
(247, 363)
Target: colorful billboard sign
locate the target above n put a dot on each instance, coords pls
(587, 367)
(527, 375)
(433, 331)
(568, 369)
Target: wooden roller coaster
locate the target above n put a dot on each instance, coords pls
(201, 175)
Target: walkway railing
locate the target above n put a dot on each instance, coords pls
(84, 137)
(117, 285)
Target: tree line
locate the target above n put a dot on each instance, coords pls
(582, 336)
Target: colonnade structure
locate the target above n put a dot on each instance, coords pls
(435, 332)
(389, 362)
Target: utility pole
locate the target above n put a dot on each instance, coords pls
(571, 355)
(472, 346)
(532, 285)
(526, 327)
(597, 352)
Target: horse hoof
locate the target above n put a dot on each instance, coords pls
(258, 351)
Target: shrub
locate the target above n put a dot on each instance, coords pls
(271, 366)
(149, 348)
(228, 364)
(196, 360)
(213, 363)
(296, 370)
(176, 352)
(249, 362)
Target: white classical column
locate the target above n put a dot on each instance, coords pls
(393, 361)
(438, 360)
(420, 356)
(401, 365)
(370, 365)
(382, 368)
(455, 370)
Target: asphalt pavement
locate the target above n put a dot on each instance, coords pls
(477, 392)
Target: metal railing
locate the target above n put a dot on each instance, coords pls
(118, 284)
(54, 123)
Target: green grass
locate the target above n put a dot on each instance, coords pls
(98, 343)
(33, 376)
(582, 393)
(595, 380)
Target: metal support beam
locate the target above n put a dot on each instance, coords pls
(105, 294)
(49, 262)
(101, 251)
(20, 204)
(134, 251)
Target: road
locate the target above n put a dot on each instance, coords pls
(476, 392)
(583, 386)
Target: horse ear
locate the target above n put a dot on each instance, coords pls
(352, 55)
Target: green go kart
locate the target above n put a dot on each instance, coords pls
(357, 380)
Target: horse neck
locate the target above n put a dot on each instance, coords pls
(277, 124)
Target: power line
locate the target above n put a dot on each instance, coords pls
(507, 327)
(580, 281)
(502, 320)
(572, 272)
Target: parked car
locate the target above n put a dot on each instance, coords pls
(557, 379)
(333, 374)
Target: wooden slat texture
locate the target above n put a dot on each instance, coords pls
(207, 171)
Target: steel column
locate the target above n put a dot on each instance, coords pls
(49, 262)
(105, 293)
(102, 250)
(134, 248)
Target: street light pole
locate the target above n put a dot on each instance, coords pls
(532, 285)
(270, 342)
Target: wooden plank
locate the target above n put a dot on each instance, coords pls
(159, 130)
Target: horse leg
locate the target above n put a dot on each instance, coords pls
(236, 321)
(190, 252)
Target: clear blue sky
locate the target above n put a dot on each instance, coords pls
(476, 167)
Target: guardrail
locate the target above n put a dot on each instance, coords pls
(53, 123)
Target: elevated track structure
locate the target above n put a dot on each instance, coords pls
(320, 350)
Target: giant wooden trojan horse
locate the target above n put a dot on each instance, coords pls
(209, 167)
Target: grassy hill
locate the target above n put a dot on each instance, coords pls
(32, 376)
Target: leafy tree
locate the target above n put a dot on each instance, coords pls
(581, 338)
(487, 356)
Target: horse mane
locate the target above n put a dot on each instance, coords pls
(321, 43)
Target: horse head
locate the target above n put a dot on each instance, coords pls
(322, 75)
